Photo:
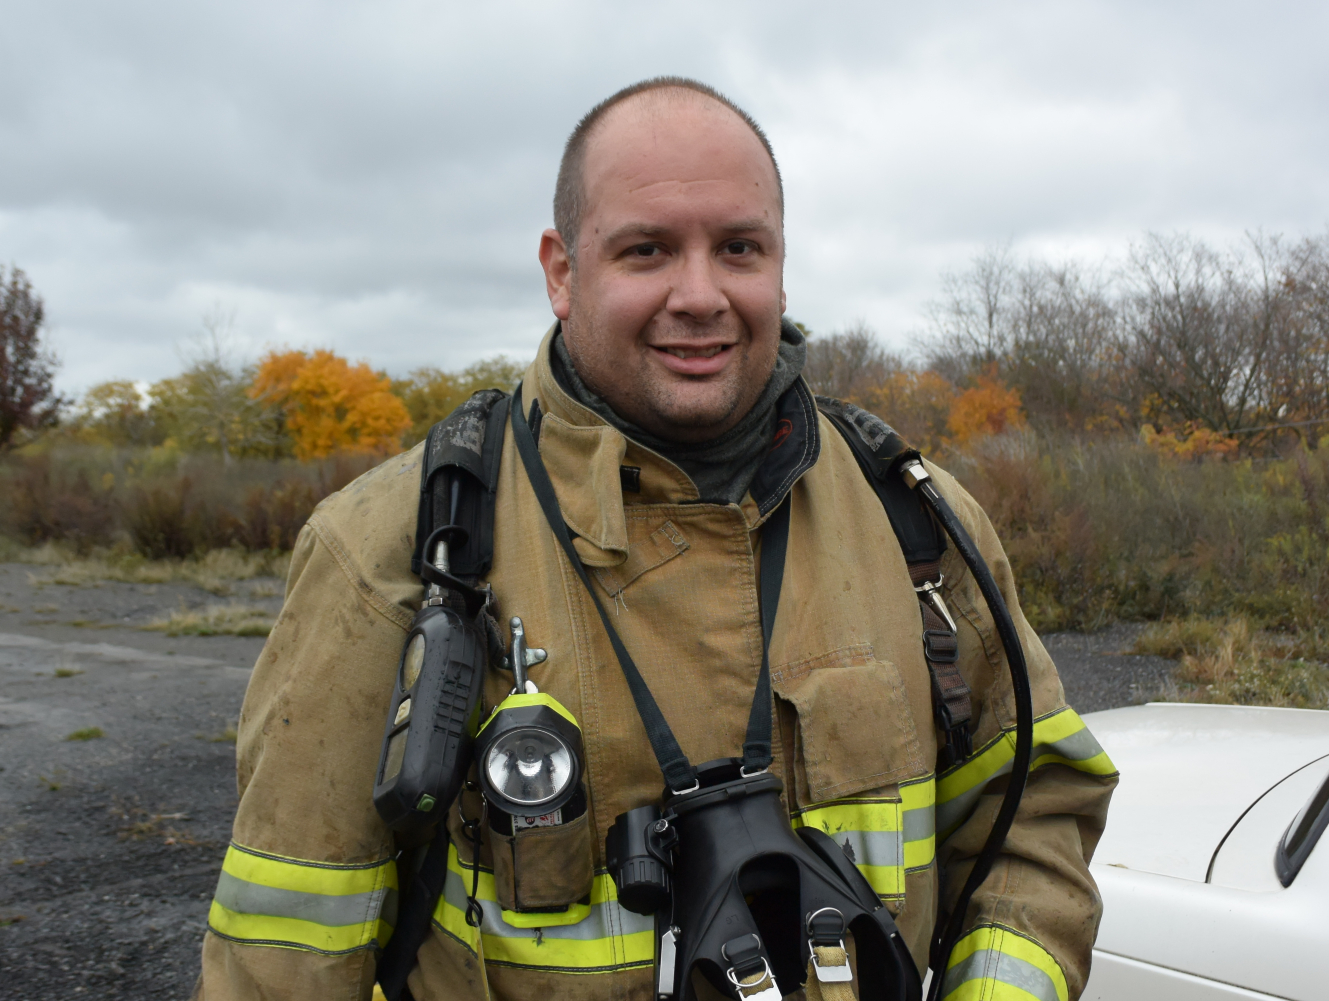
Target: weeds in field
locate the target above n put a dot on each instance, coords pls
(216, 620)
(216, 571)
(67, 672)
(1232, 662)
(1106, 530)
(87, 733)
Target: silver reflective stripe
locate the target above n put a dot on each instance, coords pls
(918, 824)
(953, 812)
(243, 897)
(872, 847)
(604, 921)
(989, 964)
(1078, 746)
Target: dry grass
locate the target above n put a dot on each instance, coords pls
(1231, 662)
(216, 620)
(143, 825)
(216, 571)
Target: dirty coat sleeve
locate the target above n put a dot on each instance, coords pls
(308, 886)
(1030, 927)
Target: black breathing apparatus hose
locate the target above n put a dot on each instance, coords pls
(949, 929)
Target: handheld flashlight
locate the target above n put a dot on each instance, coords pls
(529, 754)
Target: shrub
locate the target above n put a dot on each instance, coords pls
(47, 502)
(163, 505)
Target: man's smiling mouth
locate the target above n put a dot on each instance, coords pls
(697, 353)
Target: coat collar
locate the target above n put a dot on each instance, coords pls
(586, 459)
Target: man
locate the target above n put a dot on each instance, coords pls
(673, 423)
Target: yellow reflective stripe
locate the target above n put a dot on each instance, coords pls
(1059, 738)
(997, 963)
(919, 799)
(306, 876)
(885, 838)
(274, 900)
(292, 933)
(608, 938)
(871, 833)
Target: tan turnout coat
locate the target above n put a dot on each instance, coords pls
(853, 706)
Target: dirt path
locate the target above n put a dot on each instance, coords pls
(110, 846)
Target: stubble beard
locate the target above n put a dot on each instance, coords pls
(657, 401)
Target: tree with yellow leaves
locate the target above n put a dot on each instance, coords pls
(331, 405)
(430, 394)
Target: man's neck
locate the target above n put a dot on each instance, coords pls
(721, 468)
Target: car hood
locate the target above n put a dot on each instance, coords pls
(1188, 773)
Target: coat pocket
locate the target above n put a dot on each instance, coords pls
(855, 730)
(543, 868)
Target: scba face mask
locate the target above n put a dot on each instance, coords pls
(745, 901)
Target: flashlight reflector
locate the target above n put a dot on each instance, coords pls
(529, 767)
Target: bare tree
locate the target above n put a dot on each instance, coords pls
(848, 365)
(1047, 330)
(1063, 352)
(209, 405)
(1296, 376)
(1198, 326)
(971, 322)
(27, 398)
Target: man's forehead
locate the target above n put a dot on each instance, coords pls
(674, 128)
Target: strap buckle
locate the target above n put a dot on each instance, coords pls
(940, 646)
(758, 982)
(826, 928)
(930, 591)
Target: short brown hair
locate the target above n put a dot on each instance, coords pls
(569, 201)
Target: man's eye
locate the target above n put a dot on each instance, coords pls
(645, 250)
(737, 247)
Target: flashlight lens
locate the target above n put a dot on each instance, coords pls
(529, 766)
(412, 662)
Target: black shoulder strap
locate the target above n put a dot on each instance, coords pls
(879, 450)
(465, 448)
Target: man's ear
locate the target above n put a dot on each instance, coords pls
(558, 272)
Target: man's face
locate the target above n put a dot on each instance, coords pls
(672, 312)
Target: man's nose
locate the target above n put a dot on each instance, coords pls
(696, 291)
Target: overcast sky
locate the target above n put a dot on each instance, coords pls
(374, 177)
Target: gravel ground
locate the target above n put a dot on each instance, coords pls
(110, 847)
(1097, 673)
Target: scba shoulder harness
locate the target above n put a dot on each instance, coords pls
(460, 466)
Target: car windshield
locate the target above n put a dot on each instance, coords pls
(1302, 834)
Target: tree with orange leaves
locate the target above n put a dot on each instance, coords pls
(984, 409)
(331, 405)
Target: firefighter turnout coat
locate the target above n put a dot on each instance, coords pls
(307, 893)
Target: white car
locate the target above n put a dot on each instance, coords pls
(1213, 888)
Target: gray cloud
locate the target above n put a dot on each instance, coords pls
(374, 177)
